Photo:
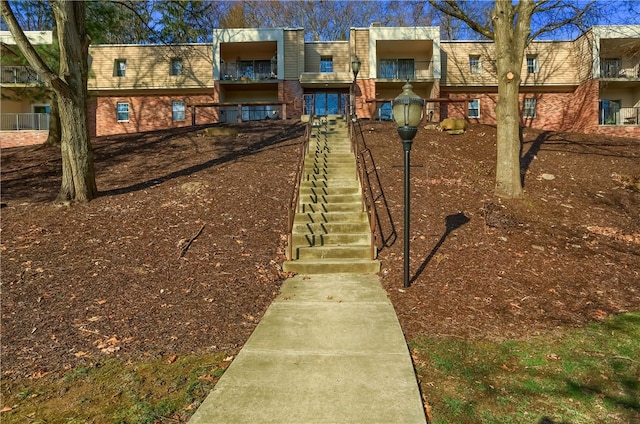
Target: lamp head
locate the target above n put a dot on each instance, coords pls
(407, 108)
(355, 66)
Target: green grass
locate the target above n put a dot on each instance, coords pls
(589, 375)
(115, 391)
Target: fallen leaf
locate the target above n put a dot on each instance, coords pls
(7, 409)
(80, 354)
(101, 301)
(172, 358)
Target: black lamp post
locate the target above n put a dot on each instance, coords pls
(355, 67)
(407, 113)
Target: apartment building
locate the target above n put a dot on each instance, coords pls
(26, 100)
(590, 84)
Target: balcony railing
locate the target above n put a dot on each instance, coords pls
(19, 75)
(249, 70)
(623, 116)
(403, 69)
(24, 121)
(613, 69)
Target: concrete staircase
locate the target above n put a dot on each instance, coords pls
(331, 232)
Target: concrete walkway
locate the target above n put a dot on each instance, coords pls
(329, 349)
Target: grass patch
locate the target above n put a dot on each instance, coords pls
(115, 391)
(588, 375)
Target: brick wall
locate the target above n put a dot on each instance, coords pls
(575, 111)
(147, 113)
(290, 92)
(22, 138)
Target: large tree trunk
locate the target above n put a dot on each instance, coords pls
(511, 25)
(78, 174)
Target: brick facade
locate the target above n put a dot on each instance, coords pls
(147, 113)
(22, 138)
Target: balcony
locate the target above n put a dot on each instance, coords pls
(613, 69)
(326, 79)
(404, 69)
(249, 70)
(19, 75)
(24, 121)
(622, 116)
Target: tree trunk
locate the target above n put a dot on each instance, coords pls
(511, 24)
(78, 174)
(55, 132)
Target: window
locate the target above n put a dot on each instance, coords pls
(176, 67)
(532, 64)
(120, 68)
(326, 64)
(474, 108)
(529, 110)
(475, 67)
(122, 112)
(177, 111)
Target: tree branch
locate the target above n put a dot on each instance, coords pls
(454, 10)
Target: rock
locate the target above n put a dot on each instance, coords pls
(214, 131)
(449, 124)
(548, 177)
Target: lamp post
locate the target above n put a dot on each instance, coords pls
(355, 67)
(407, 113)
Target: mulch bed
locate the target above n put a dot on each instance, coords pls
(182, 251)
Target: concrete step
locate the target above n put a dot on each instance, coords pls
(329, 198)
(332, 266)
(333, 252)
(331, 207)
(308, 240)
(333, 217)
(331, 228)
(329, 191)
(327, 183)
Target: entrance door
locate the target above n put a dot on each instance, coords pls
(610, 112)
(325, 103)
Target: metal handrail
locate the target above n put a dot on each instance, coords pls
(295, 195)
(367, 193)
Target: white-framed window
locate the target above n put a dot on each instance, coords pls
(120, 68)
(326, 64)
(474, 108)
(122, 112)
(176, 67)
(532, 64)
(529, 109)
(475, 66)
(177, 111)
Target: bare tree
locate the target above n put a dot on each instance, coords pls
(70, 87)
(510, 28)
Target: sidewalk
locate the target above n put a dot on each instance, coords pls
(328, 350)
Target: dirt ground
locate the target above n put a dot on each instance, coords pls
(182, 251)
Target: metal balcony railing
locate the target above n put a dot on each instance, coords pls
(611, 68)
(248, 70)
(24, 121)
(19, 75)
(623, 116)
(403, 69)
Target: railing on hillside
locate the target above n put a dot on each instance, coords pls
(19, 75)
(24, 121)
(368, 204)
(295, 195)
